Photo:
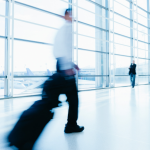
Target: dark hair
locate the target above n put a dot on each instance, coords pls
(68, 11)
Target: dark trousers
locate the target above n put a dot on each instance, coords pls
(70, 90)
(132, 79)
(62, 84)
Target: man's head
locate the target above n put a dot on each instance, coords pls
(68, 14)
(133, 61)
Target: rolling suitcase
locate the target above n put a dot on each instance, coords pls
(34, 119)
(29, 127)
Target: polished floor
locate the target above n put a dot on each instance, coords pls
(114, 119)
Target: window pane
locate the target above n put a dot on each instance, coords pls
(142, 20)
(1, 88)
(87, 5)
(142, 4)
(28, 86)
(2, 56)
(122, 65)
(142, 53)
(86, 43)
(143, 29)
(86, 30)
(121, 29)
(122, 81)
(142, 45)
(2, 7)
(122, 50)
(141, 12)
(121, 20)
(92, 44)
(143, 80)
(55, 6)
(33, 59)
(124, 2)
(142, 37)
(122, 40)
(143, 67)
(103, 3)
(92, 63)
(91, 82)
(34, 32)
(83, 18)
(2, 26)
(121, 9)
(36, 16)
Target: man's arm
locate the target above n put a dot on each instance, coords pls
(130, 67)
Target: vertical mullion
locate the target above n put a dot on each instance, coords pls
(137, 45)
(133, 53)
(131, 31)
(12, 49)
(107, 44)
(8, 61)
(70, 6)
(114, 67)
(109, 47)
(77, 41)
(148, 16)
(6, 50)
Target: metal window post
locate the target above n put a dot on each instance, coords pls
(70, 6)
(7, 50)
(111, 49)
(77, 75)
(12, 50)
(148, 23)
(99, 57)
(131, 32)
(107, 44)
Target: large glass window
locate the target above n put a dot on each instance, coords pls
(2, 7)
(122, 65)
(36, 16)
(122, 9)
(106, 38)
(142, 4)
(2, 56)
(33, 32)
(28, 86)
(2, 26)
(55, 6)
(32, 59)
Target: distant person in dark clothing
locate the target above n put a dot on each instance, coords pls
(132, 73)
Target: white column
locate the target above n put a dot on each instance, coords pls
(100, 59)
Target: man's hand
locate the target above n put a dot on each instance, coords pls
(76, 67)
(70, 72)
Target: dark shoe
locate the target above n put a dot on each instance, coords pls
(26, 146)
(71, 129)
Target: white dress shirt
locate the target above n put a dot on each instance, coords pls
(63, 46)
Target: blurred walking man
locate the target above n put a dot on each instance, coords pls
(33, 120)
(65, 66)
(132, 73)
